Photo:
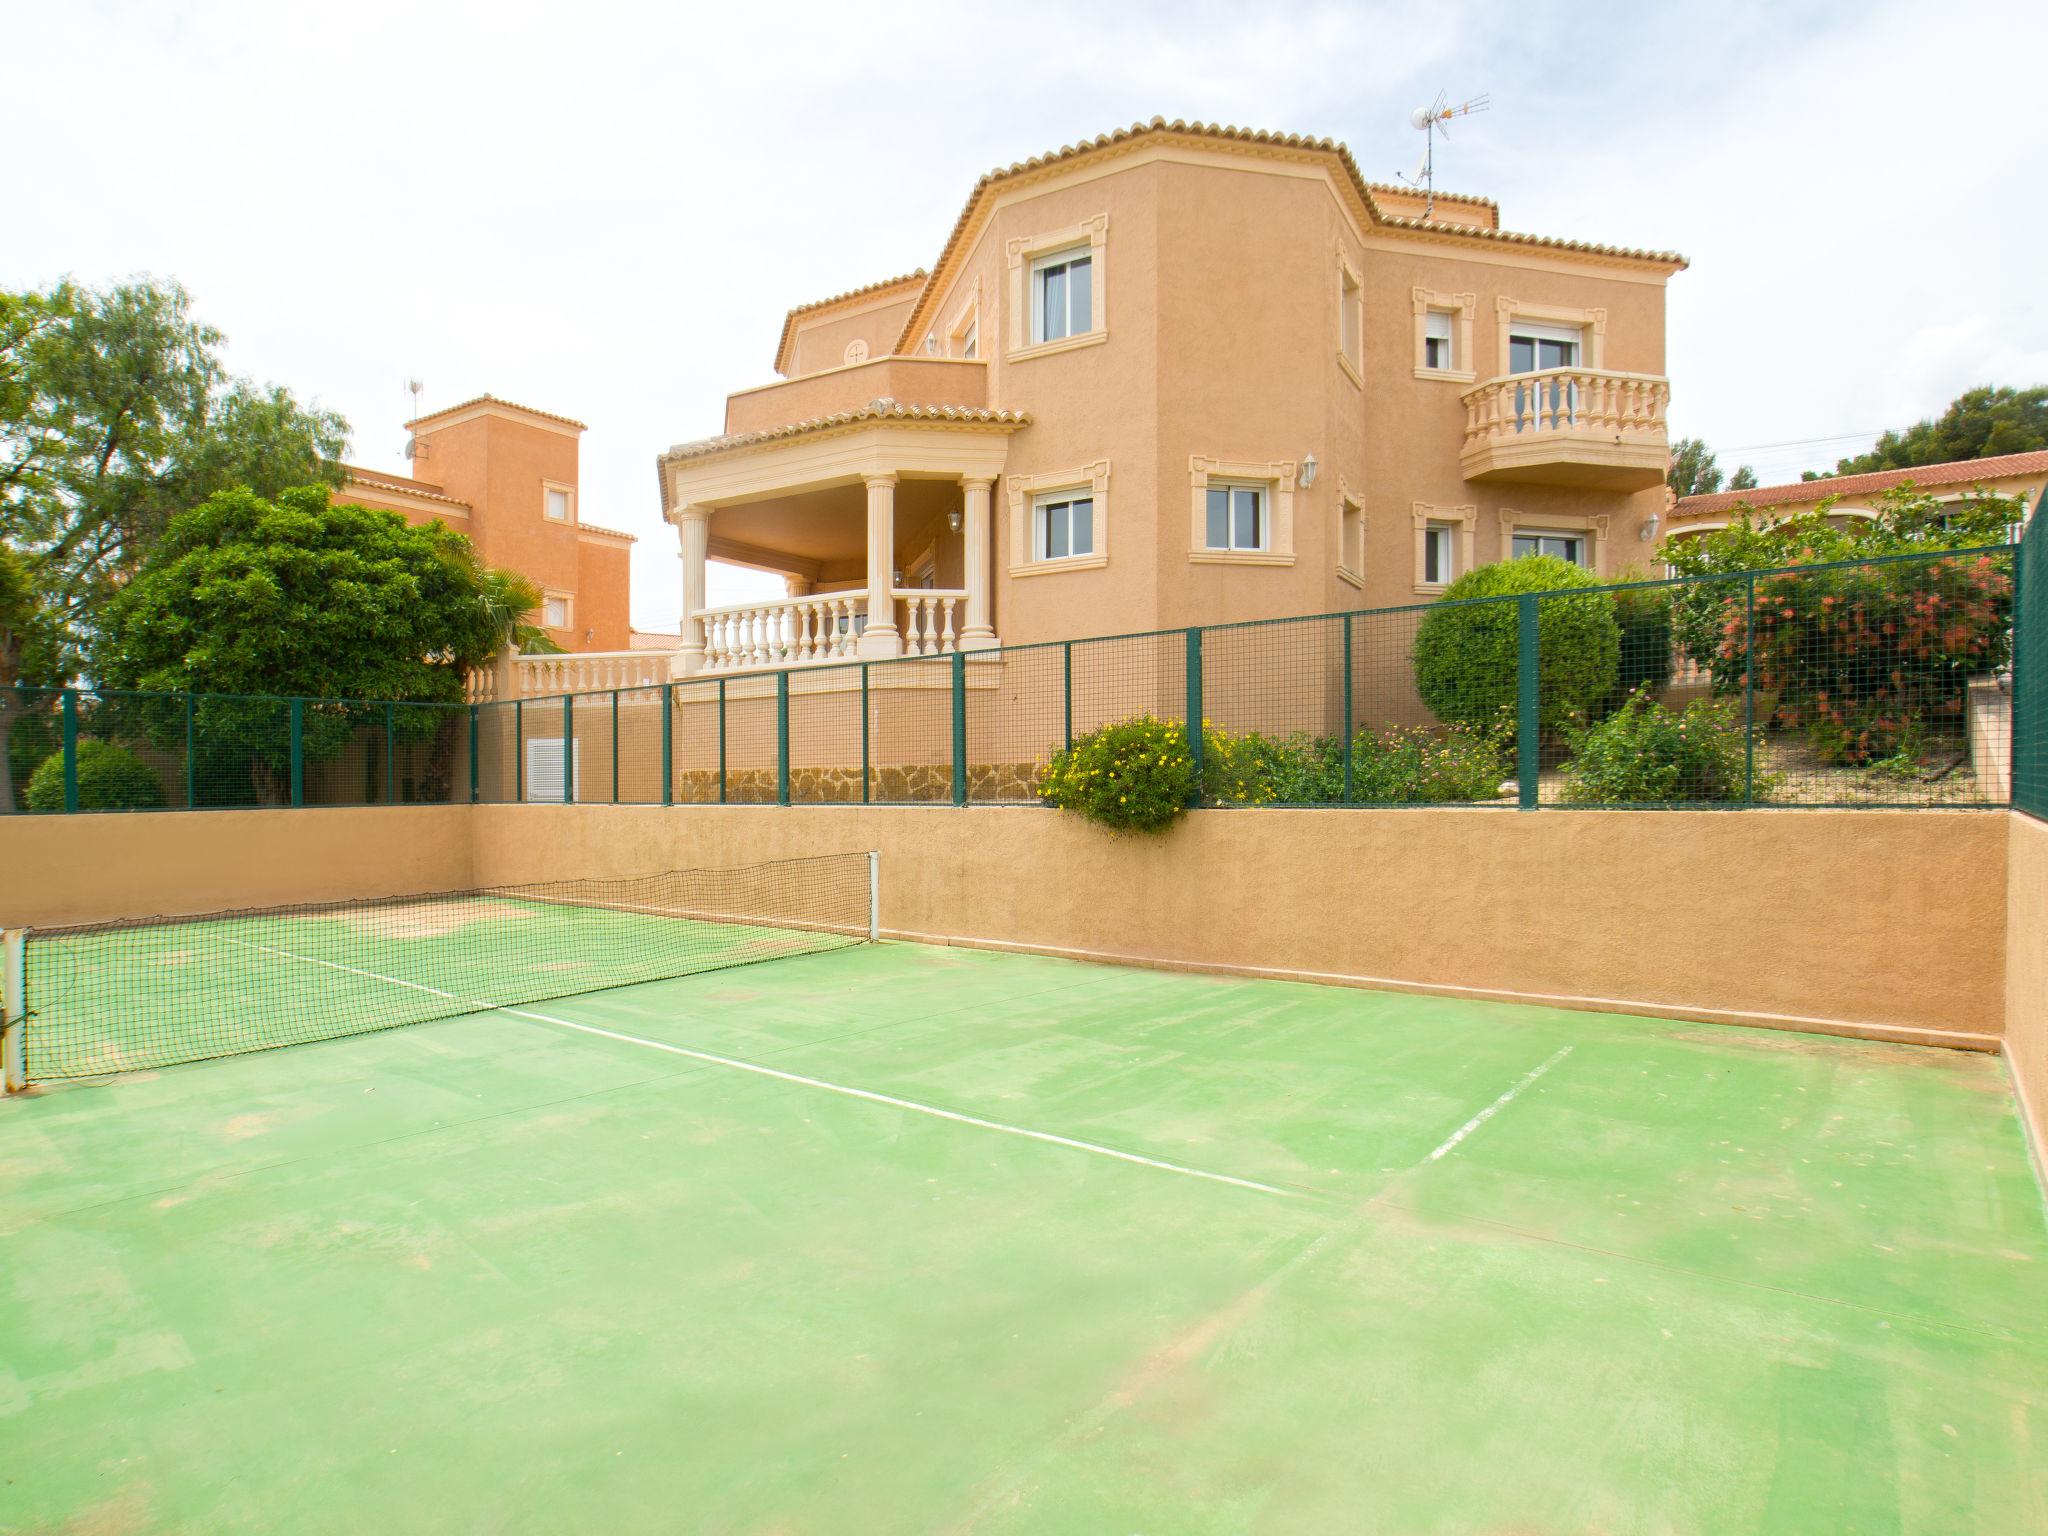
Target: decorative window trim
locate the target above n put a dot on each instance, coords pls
(568, 601)
(1592, 322)
(1024, 492)
(856, 353)
(1462, 307)
(1025, 250)
(1277, 474)
(567, 490)
(1593, 526)
(1348, 503)
(1350, 291)
(966, 317)
(1465, 519)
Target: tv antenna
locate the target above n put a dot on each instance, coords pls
(412, 442)
(1432, 120)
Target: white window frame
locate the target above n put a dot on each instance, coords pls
(1460, 307)
(1029, 256)
(568, 602)
(1027, 492)
(1513, 315)
(1234, 493)
(1457, 525)
(549, 490)
(1576, 536)
(1043, 506)
(1435, 321)
(1591, 527)
(1071, 324)
(1536, 334)
(1276, 478)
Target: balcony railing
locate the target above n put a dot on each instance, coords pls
(800, 630)
(1569, 426)
(575, 672)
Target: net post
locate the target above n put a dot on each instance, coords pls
(191, 771)
(1349, 726)
(721, 741)
(14, 1008)
(1067, 687)
(874, 894)
(390, 753)
(568, 749)
(959, 727)
(298, 725)
(1528, 717)
(70, 750)
(1749, 690)
(782, 737)
(866, 754)
(1194, 670)
(668, 744)
(475, 779)
(615, 746)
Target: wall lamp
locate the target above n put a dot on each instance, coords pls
(1649, 529)
(1308, 471)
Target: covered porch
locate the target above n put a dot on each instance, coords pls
(878, 521)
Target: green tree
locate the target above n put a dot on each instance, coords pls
(1979, 424)
(30, 657)
(116, 413)
(295, 596)
(1695, 471)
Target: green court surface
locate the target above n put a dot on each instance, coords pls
(926, 1240)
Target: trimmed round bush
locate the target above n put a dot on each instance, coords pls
(110, 778)
(1466, 653)
(1130, 775)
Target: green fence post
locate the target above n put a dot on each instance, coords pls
(1194, 669)
(721, 741)
(191, 769)
(519, 751)
(1347, 709)
(298, 721)
(668, 740)
(959, 727)
(475, 778)
(1067, 687)
(865, 754)
(615, 746)
(390, 753)
(70, 749)
(1528, 717)
(568, 749)
(782, 738)
(1749, 691)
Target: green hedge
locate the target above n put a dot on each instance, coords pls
(1467, 653)
(110, 778)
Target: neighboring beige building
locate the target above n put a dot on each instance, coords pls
(1178, 375)
(2013, 474)
(506, 475)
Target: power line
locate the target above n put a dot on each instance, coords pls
(1803, 442)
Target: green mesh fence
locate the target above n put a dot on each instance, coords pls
(1884, 682)
(122, 997)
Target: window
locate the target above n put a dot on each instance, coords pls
(1237, 517)
(1350, 539)
(1532, 348)
(554, 611)
(1439, 557)
(1350, 317)
(970, 339)
(1437, 352)
(1062, 295)
(1564, 546)
(557, 507)
(1063, 525)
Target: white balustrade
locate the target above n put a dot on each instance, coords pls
(927, 620)
(782, 634)
(1567, 400)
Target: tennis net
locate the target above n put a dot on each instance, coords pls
(127, 996)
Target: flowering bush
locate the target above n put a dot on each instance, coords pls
(1131, 775)
(1645, 753)
(1413, 765)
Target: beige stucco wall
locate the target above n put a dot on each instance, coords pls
(2026, 975)
(60, 870)
(1888, 924)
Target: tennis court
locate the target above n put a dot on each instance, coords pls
(885, 1237)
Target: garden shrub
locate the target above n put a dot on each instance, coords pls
(110, 778)
(1413, 765)
(1645, 658)
(1130, 775)
(1647, 753)
(1466, 654)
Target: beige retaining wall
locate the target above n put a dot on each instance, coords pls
(1877, 923)
(2026, 976)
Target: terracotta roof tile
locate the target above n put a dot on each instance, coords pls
(1955, 472)
(874, 410)
(377, 480)
(867, 291)
(612, 533)
(463, 405)
(1258, 138)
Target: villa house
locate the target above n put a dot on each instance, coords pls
(1177, 375)
(506, 475)
(2024, 475)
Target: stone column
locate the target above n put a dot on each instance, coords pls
(693, 532)
(880, 637)
(977, 632)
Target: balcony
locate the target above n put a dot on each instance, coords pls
(1584, 427)
(908, 380)
(802, 631)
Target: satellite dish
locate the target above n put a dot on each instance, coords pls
(1419, 118)
(412, 447)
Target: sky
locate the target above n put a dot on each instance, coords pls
(604, 210)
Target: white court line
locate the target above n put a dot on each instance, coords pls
(1500, 1103)
(912, 1105)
